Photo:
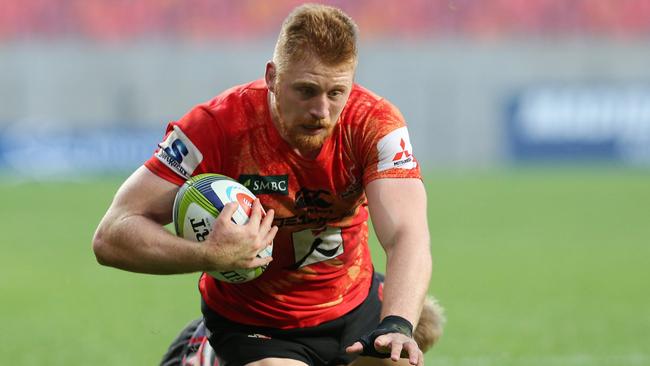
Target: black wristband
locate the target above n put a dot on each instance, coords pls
(390, 324)
(397, 324)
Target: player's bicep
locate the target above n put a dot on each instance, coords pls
(146, 194)
(397, 207)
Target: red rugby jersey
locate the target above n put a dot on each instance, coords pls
(321, 266)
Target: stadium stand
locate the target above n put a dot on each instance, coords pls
(198, 20)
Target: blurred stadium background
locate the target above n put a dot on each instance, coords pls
(531, 120)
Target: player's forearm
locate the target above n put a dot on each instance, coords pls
(408, 272)
(138, 244)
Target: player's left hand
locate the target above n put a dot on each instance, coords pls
(391, 345)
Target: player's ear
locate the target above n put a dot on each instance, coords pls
(269, 76)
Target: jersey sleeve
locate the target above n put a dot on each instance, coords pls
(188, 147)
(386, 150)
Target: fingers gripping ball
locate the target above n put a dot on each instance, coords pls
(198, 203)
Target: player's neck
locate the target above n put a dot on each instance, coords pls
(311, 155)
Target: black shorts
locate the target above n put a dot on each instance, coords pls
(237, 344)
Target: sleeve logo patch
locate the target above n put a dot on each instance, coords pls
(395, 151)
(179, 153)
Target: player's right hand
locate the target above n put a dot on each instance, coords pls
(230, 246)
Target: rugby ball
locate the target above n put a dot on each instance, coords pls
(198, 203)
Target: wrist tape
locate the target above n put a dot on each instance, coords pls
(390, 324)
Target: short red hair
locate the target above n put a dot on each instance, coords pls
(317, 30)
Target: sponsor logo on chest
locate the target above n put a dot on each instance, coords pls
(266, 184)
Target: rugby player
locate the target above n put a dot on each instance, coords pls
(337, 154)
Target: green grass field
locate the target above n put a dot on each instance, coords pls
(537, 267)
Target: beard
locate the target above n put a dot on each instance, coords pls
(295, 135)
(307, 142)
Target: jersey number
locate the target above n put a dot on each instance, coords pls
(313, 246)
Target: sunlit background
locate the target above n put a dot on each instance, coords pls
(530, 118)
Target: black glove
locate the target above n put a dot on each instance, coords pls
(390, 324)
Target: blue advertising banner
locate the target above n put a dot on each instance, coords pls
(71, 153)
(568, 122)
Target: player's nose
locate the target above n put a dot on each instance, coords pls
(319, 108)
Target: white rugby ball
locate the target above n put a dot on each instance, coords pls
(198, 203)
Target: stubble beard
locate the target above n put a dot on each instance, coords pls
(301, 141)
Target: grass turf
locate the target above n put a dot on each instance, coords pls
(540, 267)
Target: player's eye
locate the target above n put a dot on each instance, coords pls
(306, 91)
(335, 94)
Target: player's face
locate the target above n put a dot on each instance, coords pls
(307, 99)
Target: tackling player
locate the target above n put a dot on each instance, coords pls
(322, 154)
